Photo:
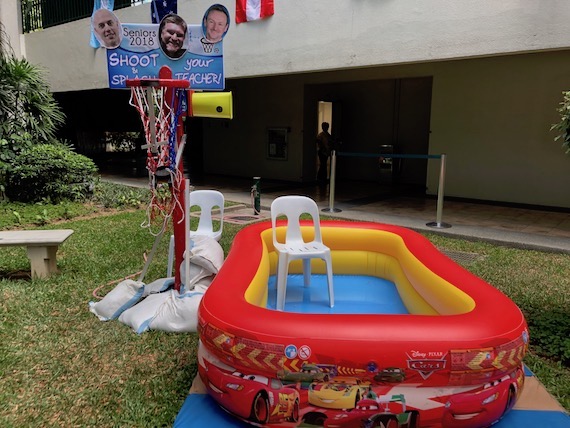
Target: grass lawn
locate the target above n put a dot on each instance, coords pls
(61, 366)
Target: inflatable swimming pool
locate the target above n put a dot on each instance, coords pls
(454, 360)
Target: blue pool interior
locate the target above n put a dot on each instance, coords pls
(353, 294)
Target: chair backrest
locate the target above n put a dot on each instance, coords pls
(293, 207)
(208, 200)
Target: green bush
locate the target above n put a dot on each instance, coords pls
(50, 172)
(110, 195)
(550, 333)
(29, 113)
(10, 148)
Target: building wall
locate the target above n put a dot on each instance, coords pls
(498, 70)
(320, 35)
(490, 116)
(10, 19)
(239, 147)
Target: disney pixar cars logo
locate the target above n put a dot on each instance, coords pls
(426, 363)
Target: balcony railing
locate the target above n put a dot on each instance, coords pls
(39, 14)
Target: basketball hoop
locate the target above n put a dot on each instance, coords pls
(207, 45)
(160, 102)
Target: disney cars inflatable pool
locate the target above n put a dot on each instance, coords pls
(453, 360)
(256, 398)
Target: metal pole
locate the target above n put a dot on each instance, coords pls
(331, 208)
(151, 255)
(256, 195)
(187, 241)
(439, 214)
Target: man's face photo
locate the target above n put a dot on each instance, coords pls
(107, 28)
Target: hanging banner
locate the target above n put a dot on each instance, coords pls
(160, 8)
(192, 52)
(252, 10)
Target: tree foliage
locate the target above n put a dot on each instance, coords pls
(563, 126)
(29, 113)
(27, 104)
(50, 172)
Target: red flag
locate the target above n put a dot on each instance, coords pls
(251, 10)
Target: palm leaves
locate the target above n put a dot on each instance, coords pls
(563, 126)
(26, 104)
(28, 112)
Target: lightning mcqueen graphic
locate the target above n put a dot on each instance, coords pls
(251, 397)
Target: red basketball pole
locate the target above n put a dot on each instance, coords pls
(178, 188)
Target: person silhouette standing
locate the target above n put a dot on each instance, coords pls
(324, 144)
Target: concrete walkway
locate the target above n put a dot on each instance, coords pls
(512, 226)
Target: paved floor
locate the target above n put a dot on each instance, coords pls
(547, 230)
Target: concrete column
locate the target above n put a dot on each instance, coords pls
(43, 260)
(12, 22)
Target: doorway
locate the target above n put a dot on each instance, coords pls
(325, 115)
(325, 109)
(329, 112)
(378, 116)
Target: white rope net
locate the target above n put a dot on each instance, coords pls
(159, 124)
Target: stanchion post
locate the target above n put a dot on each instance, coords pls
(256, 193)
(440, 192)
(331, 208)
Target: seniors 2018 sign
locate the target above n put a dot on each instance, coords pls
(138, 51)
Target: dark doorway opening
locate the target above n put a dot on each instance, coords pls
(102, 125)
(378, 116)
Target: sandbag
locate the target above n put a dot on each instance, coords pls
(139, 316)
(197, 273)
(125, 294)
(178, 313)
(158, 286)
(168, 311)
(205, 259)
(202, 285)
(207, 253)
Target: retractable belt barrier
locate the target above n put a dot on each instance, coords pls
(438, 223)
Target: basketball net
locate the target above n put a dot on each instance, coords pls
(207, 45)
(159, 123)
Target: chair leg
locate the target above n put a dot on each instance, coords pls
(330, 281)
(307, 272)
(282, 271)
(277, 270)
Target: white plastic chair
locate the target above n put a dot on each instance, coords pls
(295, 247)
(207, 200)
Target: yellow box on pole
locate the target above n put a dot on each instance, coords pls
(212, 104)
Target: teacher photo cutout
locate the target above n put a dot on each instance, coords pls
(107, 28)
(172, 32)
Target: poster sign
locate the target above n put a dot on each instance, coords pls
(192, 52)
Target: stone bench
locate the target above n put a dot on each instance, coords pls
(41, 246)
